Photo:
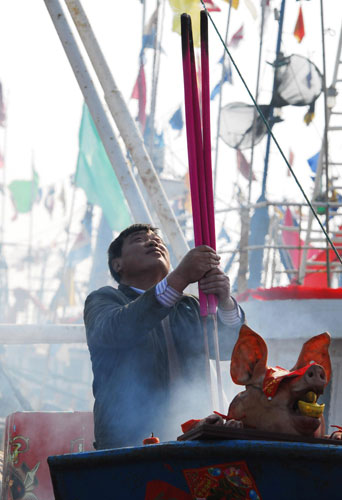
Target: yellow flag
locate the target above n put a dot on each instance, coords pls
(235, 3)
(191, 7)
(308, 117)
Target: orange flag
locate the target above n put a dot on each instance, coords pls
(299, 31)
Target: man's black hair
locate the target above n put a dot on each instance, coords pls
(115, 247)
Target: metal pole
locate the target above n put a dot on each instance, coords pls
(128, 130)
(268, 144)
(326, 159)
(124, 175)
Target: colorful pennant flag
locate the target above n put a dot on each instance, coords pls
(299, 31)
(291, 157)
(176, 120)
(291, 160)
(236, 38)
(243, 165)
(251, 7)
(95, 175)
(234, 3)
(139, 92)
(24, 193)
(211, 7)
(313, 162)
(310, 114)
(227, 77)
(150, 31)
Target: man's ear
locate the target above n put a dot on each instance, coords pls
(116, 265)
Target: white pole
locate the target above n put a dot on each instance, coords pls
(124, 174)
(129, 131)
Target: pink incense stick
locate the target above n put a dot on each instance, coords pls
(201, 193)
(208, 177)
(190, 132)
(193, 151)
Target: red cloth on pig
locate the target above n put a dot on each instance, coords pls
(275, 375)
(188, 425)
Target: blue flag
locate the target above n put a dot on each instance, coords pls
(227, 77)
(313, 162)
(176, 120)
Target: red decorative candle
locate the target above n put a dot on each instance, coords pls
(151, 440)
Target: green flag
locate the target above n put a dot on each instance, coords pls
(96, 176)
(24, 193)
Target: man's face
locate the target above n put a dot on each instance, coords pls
(143, 253)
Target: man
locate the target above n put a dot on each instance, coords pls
(146, 340)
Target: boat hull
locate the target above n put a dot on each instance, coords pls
(273, 469)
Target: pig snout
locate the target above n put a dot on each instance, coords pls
(315, 377)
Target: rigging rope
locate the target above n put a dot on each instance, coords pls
(273, 137)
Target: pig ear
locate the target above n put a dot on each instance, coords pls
(249, 357)
(316, 349)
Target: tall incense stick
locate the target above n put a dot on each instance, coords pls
(208, 182)
(193, 151)
(200, 170)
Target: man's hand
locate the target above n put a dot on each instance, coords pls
(197, 262)
(218, 283)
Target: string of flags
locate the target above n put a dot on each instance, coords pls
(234, 43)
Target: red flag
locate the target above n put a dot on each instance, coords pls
(139, 92)
(291, 157)
(299, 30)
(236, 38)
(243, 165)
(211, 7)
(291, 160)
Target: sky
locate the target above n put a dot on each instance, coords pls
(44, 103)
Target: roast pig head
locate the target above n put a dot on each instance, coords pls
(275, 399)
